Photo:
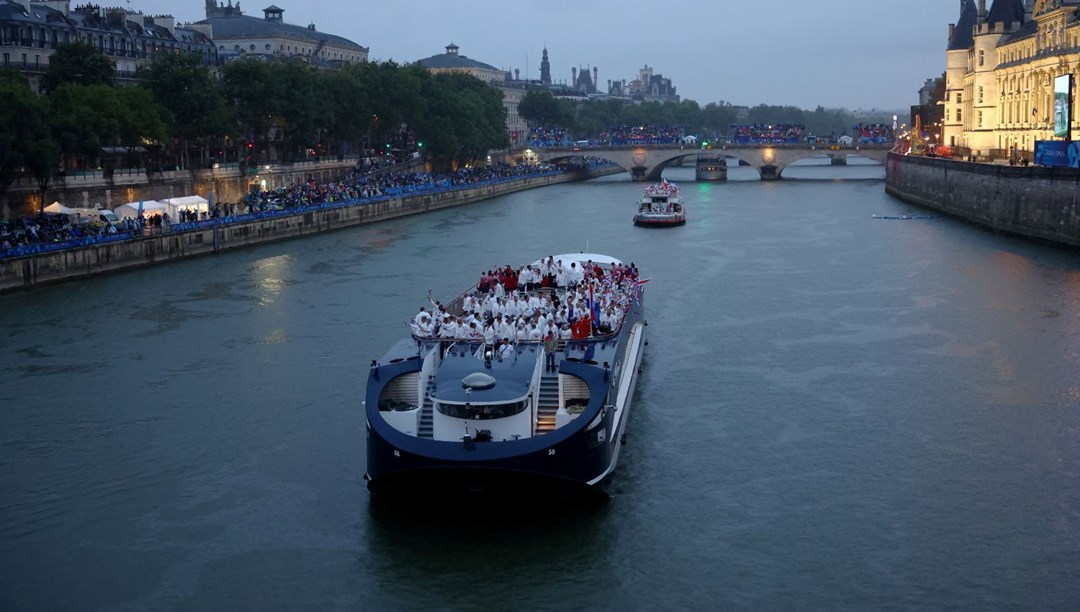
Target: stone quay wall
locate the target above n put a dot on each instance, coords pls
(52, 267)
(1033, 202)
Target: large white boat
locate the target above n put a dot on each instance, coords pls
(465, 414)
(660, 206)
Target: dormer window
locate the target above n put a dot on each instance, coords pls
(273, 13)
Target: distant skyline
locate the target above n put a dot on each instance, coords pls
(856, 54)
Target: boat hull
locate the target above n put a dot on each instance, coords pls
(671, 222)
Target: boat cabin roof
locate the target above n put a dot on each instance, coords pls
(500, 381)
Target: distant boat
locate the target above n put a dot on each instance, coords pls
(660, 206)
(711, 168)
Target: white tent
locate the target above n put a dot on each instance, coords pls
(193, 202)
(149, 208)
(56, 208)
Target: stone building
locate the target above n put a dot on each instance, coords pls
(241, 36)
(30, 31)
(1000, 69)
(650, 87)
(453, 61)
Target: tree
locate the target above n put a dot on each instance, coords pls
(189, 98)
(83, 119)
(77, 63)
(540, 108)
(344, 119)
(42, 158)
(139, 120)
(298, 103)
(25, 119)
(249, 101)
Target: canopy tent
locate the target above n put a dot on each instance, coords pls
(56, 208)
(193, 202)
(149, 208)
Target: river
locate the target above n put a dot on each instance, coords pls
(836, 412)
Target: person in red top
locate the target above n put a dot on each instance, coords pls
(581, 328)
(509, 279)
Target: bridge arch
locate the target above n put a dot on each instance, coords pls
(647, 163)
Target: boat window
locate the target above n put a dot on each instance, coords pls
(482, 411)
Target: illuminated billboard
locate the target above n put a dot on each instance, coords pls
(1063, 88)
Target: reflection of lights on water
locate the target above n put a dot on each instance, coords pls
(276, 336)
(269, 275)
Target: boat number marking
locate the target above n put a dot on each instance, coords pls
(397, 453)
(551, 451)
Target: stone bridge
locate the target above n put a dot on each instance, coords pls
(647, 162)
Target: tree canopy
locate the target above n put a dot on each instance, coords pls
(77, 63)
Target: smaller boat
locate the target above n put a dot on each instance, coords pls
(710, 168)
(660, 206)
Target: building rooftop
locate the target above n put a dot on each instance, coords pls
(1006, 11)
(453, 59)
(962, 38)
(232, 27)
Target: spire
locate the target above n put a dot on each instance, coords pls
(961, 38)
(545, 68)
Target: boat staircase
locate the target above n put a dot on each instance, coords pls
(426, 427)
(547, 403)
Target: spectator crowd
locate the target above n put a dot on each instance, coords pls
(37, 233)
(781, 133)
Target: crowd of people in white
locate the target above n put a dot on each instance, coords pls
(545, 301)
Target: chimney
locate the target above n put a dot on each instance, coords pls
(517, 74)
(982, 11)
(952, 30)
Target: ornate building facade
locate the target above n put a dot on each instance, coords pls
(1000, 69)
(30, 31)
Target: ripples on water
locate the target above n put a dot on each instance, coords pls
(836, 412)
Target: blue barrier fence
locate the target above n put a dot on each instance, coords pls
(441, 186)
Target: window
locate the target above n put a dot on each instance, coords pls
(982, 57)
(959, 114)
(959, 98)
(980, 119)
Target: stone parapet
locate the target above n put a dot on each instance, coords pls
(1033, 202)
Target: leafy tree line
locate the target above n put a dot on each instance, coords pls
(255, 112)
(587, 118)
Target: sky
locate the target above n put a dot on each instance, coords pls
(855, 54)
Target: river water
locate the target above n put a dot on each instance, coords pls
(836, 412)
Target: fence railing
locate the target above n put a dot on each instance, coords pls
(440, 186)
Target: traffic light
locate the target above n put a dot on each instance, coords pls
(420, 144)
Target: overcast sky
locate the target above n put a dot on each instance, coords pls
(836, 53)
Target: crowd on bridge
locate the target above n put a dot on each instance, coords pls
(643, 134)
(874, 133)
(547, 300)
(43, 232)
(549, 137)
(781, 133)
